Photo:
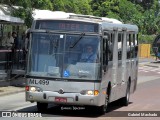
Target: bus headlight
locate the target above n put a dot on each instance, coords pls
(90, 92)
(32, 89)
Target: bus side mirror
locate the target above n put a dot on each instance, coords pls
(28, 31)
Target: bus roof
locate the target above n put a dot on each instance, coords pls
(107, 23)
(41, 14)
(120, 27)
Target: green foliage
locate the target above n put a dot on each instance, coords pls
(84, 7)
(104, 7)
(127, 11)
(144, 13)
(25, 14)
(42, 4)
(146, 39)
(146, 4)
(72, 6)
(26, 7)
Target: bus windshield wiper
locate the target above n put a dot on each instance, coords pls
(75, 43)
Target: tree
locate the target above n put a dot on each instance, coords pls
(41, 4)
(72, 6)
(103, 7)
(26, 7)
(152, 19)
(84, 7)
(146, 4)
(144, 13)
(128, 11)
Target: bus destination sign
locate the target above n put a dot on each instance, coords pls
(66, 26)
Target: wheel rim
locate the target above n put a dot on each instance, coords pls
(128, 93)
(106, 103)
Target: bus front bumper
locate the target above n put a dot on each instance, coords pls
(65, 98)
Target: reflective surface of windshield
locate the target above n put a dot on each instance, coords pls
(57, 56)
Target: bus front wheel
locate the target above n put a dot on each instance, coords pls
(42, 106)
(103, 108)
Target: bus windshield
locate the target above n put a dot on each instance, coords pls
(65, 56)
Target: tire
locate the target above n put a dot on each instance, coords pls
(42, 107)
(103, 109)
(125, 100)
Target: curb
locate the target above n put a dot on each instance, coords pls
(9, 93)
(152, 66)
(143, 64)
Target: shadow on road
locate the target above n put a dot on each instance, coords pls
(73, 111)
(156, 62)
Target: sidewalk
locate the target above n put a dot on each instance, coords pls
(149, 62)
(154, 64)
(10, 90)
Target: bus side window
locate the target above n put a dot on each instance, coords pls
(105, 39)
(128, 46)
(132, 45)
(119, 46)
(110, 47)
(136, 45)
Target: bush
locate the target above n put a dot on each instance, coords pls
(147, 39)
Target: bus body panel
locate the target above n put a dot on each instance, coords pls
(70, 89)
(70, 97)
(67, 86)
(134, 72)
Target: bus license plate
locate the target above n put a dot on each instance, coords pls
(58, 99)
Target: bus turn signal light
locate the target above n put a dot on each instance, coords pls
(96, 92)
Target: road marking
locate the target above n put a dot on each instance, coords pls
(24, 107)
(147, 69)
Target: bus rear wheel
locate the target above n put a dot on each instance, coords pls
(125, 100)
(42, 106)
